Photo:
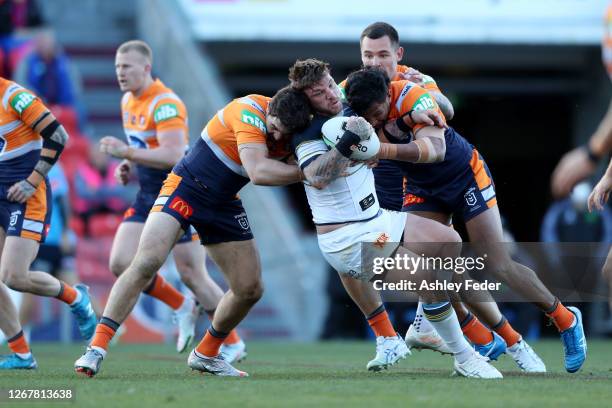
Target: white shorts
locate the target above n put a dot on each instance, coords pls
(380, 237)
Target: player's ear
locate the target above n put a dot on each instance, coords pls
(399, 53)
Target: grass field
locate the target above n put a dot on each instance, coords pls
(322, 374)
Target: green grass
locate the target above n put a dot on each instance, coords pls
(321, 375)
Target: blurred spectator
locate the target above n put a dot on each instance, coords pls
(96, 189)
(569, 221)
(48, 72)
(15, 15)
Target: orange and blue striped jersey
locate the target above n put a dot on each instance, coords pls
(20, 145)
(157, 109)
(406, 96)
(388, 177)
(215, 160)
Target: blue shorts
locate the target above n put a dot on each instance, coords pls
(470, 193)
(140, 208)
(28, 220)
(216, 220)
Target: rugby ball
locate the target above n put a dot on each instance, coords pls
(333, 130)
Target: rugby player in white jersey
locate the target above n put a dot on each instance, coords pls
(346, 213)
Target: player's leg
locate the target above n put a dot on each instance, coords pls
(190, 260)
(484, 340)
(487, 342)
(369, 302)
(240, 264)
(419, 235)
(17, 276)
(158, 237)
(9, 324)
(125, 245)
(485, 229)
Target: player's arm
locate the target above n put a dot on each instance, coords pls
(600, 144)
(169, 152)
(265, 171)
(444, 103)
(54, 140)
(601, 192)
(428, 146)
(581, 162)
(324, 168)
(427, 82)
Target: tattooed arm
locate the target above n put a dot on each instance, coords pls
(326, 168)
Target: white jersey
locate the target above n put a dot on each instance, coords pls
(345, 199)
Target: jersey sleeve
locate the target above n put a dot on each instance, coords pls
(27, 106)
(170, 114)
(248, 124)
(413, 97)
(308, 145)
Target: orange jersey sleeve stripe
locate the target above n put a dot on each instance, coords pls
(406, 96)
(242, 121)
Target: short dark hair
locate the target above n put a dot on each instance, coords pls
(365, 87)
(305, 73)
(380, 29)
(292, 108)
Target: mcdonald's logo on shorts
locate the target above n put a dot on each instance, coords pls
(180, 206)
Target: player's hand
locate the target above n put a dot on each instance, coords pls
(360, 127)
(371, 163)
(573, 167)
(428, 117)
(413, 75)
(114, 147)
(20, 192)
(600, 194)
(122, 172)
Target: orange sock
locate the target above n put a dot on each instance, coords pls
(507, 332)
(562, 317)
(103, 336)
(381, 325)
(209, 346)
(18, 344)
(67, 293)
(475, 331)
(232, 337)
(162, 290)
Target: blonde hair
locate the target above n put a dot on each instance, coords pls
(139, 46)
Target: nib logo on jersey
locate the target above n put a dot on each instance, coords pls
(165, 112)
(13, 221)
(251, 119)
(21, 101)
